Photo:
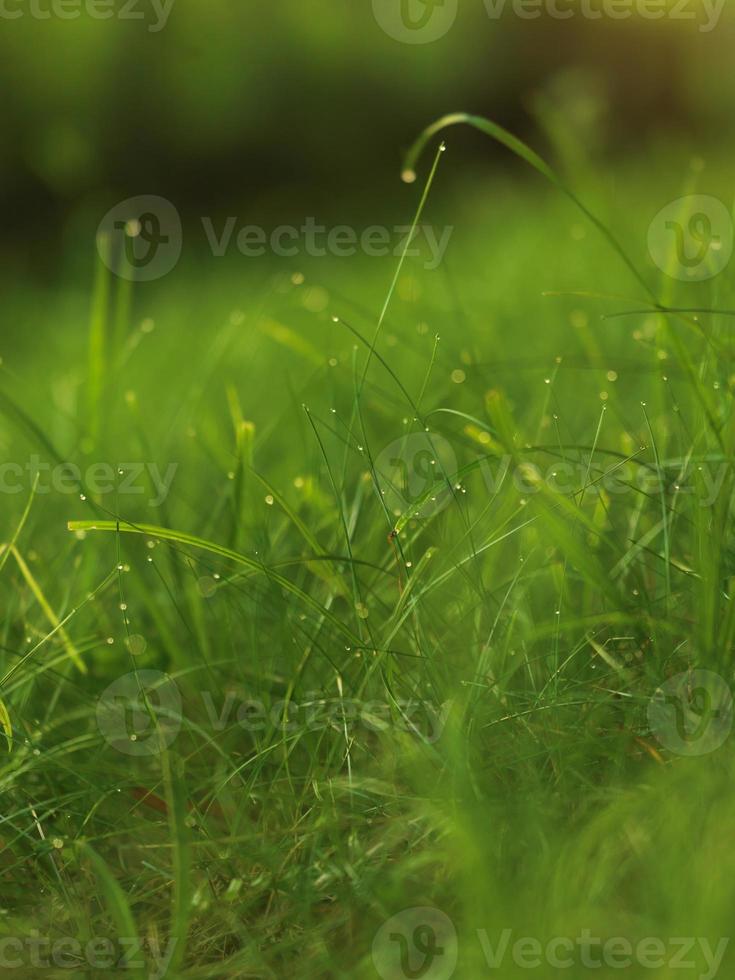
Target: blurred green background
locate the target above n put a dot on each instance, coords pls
(277, 111)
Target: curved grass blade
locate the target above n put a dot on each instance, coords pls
(56, 623)
(399, 267)
(21, 523)
(532, 158)
(115, 900)
(190, 541)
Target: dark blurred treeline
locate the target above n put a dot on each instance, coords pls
(239, 104)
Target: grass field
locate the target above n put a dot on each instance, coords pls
(373, 576)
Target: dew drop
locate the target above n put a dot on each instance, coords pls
(136, 644)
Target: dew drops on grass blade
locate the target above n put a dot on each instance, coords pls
(189, 540)
(523, 151)
(401, 261)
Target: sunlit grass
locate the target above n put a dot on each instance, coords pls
(288, 567)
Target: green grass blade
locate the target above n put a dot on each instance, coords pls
(181, 847)
(532, 158)
(6, 725)
(190, 541)
(115, 899)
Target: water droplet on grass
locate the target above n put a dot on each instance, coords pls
(137, 644)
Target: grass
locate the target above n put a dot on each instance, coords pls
(457, 702)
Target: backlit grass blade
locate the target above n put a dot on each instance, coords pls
(532, 158)
(5, 724)
(399, 266)
(21, 524)
(56, 623)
